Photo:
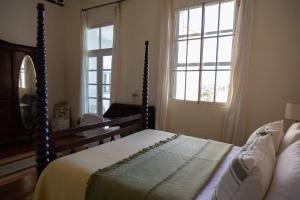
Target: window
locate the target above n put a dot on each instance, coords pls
(99, 45)
(22, 76)
(203, 47)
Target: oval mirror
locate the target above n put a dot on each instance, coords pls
(27, 92)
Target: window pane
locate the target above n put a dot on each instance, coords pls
(192, 85)
(92, 63)
(93, 39)
(226, 17)
(194, 52)
(227, 67)
(209, 50)
(106, 91)
(92, 104)
(181, 54)
(209, 66)
(225, 47)
(179, 83)
(195, 22)
(223, 80)
(92, 91)
(193, 67)
(106, 104)
(207, 86)
(107, 62)
(107, 35)
(22, 83)
(211, 19)
(106, 77)
(182, 23)
(93, 77)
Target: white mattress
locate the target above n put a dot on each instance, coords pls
(66, 177)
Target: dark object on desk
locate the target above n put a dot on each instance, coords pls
(117, 110)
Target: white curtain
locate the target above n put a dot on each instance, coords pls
(164, 67)
(84, 63)
(116, 62)
(234, 130)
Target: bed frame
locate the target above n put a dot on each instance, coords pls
(46, 143)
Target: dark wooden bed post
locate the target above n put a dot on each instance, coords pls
(42, 132)
(145, 88)
(46, 148)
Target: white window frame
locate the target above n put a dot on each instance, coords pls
(174, 40)
(99, 54)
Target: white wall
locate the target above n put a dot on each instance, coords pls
(275, 63)
(203, 120)
(72, 55)
(140, 22)
(18, 25)
(273, 78)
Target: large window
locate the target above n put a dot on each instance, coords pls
(99, 45)
(203, 46)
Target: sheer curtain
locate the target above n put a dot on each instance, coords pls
(164, 66)
(116, 62)
(83, 92)
(234, 130)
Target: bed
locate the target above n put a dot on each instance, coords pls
(225, 171)
(66, 177)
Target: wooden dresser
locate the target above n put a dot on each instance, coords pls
(11, 126)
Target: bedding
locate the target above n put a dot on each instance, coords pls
(67, 177)
(177, 169)
(274, 128)
(292, 135)
(249, 175)
(286, 180)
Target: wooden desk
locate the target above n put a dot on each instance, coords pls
(77, 143)
(66, 140)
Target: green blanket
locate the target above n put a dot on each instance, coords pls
(175, 169)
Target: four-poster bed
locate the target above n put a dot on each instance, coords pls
(77, 169)
(46, 142)
(146, 164)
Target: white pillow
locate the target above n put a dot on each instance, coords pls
(291, 136)
(249, 174)
(274, 128)
(286, 180)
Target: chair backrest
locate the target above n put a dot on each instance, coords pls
(91, 119)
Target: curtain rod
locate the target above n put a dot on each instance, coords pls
(106, 4)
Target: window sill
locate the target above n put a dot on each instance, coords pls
(196, 102)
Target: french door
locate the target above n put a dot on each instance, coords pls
(98, 76)
(99, 81)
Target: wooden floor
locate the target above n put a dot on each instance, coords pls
(18, 186)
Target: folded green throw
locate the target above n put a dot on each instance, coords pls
(174, 169)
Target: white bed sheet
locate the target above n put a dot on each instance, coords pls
(66, 177)
(208, 190)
